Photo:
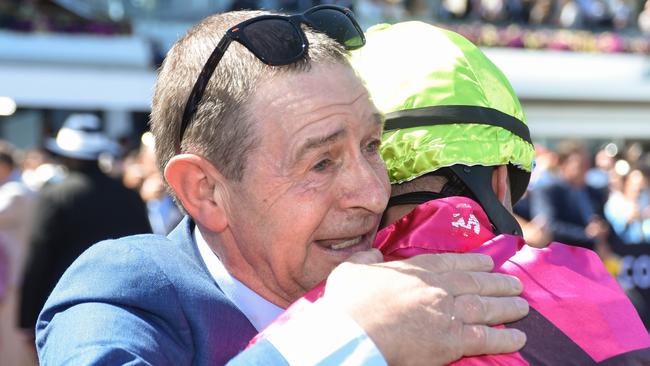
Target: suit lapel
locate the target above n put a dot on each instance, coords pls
(231, 322)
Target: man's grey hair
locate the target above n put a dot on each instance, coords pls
(221, 130)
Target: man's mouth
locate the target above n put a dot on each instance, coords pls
(356, 243)
(347, 243)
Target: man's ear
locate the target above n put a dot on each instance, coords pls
(201, 189)
(501, 186)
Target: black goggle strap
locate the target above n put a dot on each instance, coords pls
(413, 198)
(456, 114)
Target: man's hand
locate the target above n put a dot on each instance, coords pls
(431, 309)
(597, 229)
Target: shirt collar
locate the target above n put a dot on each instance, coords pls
(259, 311)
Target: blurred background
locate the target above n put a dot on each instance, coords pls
(580, 67)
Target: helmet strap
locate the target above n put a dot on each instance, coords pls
(478, 179)
(413, 198)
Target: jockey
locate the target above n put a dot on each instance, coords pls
(459, 155)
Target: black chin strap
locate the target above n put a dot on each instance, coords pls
(478, 179)
(413, 198)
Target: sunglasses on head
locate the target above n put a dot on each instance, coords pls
(277, 40)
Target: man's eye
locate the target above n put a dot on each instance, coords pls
(373, 146)
(322, 165)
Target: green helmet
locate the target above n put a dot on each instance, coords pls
(446, 105)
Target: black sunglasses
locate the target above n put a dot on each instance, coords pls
(277, 40)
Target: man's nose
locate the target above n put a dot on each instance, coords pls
(365, 185)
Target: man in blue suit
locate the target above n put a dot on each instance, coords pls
(272, 150)
(572, 209)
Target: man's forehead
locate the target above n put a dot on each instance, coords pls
(290, 102)
(297, 91)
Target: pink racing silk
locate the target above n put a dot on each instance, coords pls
(579, 315)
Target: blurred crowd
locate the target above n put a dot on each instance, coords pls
(597, 200)
(517, 36)
(572, 25)
(48, 16)
(56, 201)
(575, 25)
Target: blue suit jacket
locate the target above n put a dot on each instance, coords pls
(144, 300)
(561, 210)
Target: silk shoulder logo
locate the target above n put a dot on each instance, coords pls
(471, 223)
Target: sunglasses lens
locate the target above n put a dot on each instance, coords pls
(274, 41)
(338, 26)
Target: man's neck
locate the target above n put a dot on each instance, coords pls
(225, 247)
(259, 311)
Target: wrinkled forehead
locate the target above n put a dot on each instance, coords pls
(295, 97)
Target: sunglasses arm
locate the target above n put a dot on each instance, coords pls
(201, 83)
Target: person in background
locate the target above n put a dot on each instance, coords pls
(573, 210)
(598, 176)
(629, 211)
(85, 207)
(644, 18)
(143, 175)
(5, 264)
(4, 276)
(16, 212)
(534, 227)
(40, 169)
(163, 213)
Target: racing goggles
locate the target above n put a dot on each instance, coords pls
(277, 40)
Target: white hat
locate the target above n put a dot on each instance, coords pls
(81, 138)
